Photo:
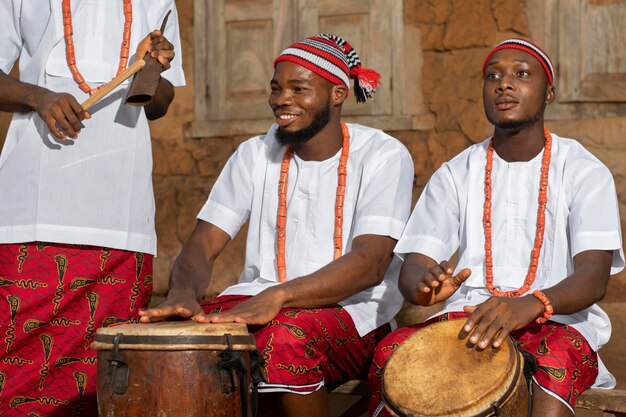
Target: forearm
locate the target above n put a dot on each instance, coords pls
(192, 269)
(191, 272)
(163, 96)
(357, 270)
(586, 286)
(18, 96)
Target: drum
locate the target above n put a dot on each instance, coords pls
(174, 369)
(434, 372)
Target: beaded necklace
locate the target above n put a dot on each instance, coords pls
(281, 217)
(68, 31)
(541, 221)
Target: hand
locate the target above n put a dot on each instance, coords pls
(179, 303)
(259, 310)
(61, 113)
(158, 47)
(493, 320)
(437, 283)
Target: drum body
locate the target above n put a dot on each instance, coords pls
(434, 372)
(174, 369)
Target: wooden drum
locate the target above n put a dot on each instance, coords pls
(435, 373)
(174, 369)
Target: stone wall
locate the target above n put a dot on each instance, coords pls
(455, 37)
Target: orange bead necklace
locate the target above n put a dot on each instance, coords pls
(541, 221)
(68, 31)
(281, 217)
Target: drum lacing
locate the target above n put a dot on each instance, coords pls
(496, 410)
(119, 368)
(234, 374)
(530, 367)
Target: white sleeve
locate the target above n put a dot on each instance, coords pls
(433, 229)
(384, 202)
(10, 37)
(174, 74)
(593, 220)
(230, 201)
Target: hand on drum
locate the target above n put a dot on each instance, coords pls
(438, 284)
(493, 320)
(259, 310)
(178, 304)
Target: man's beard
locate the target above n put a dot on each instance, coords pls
(517, 125)
(320, 120)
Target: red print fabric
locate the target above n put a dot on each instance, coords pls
(53, 298)
(305, 349)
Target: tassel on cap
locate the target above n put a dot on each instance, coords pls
(333, 59)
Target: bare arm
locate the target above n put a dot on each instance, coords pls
(586, 286)
(363, 267)
(60, 111)
(191, 274)
(494, 319)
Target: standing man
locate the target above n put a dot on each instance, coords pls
(76, 204)
(326, 202)
(534, 277)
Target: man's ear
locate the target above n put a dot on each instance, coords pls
(338, 94)
(550, 94)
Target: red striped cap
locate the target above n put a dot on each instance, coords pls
(526, 46)
(333, 59)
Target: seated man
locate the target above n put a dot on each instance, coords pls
(535, 277)
(326, 202)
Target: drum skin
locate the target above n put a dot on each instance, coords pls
(168, 378)
(434, 373)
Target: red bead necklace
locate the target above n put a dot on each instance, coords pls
(281, 217)
(541, 221)
(68, 31)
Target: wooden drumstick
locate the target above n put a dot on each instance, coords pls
(108, 87)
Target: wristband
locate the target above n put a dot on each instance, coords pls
(547, 311)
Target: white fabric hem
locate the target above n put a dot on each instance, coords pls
(79, 236)
(220, 216)
(265, 387)
(554, 395)
(379, 225)
(380, 408)
(424, 244)
(175, 76)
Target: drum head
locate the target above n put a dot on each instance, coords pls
(175, 335)
(434, 373)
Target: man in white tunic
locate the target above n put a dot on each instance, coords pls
(535, 220)
(76, 203)
(325, 202)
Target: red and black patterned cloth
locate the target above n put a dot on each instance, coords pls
(53, 298)
(567, 364)
(306, 349)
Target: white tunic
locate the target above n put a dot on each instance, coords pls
(97, 190)
(581, 214)
(377, 201)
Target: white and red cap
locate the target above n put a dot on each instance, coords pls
(333, 59)
(526, 46)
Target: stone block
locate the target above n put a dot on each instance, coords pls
(510, 16)
(470, 24)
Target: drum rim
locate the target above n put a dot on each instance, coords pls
(179, 342)
(502, 400)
